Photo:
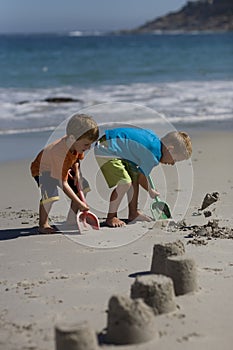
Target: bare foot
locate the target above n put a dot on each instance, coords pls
(139, 217)
(115, 222)
(46, 230)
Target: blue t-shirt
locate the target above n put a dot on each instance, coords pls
(140, 146)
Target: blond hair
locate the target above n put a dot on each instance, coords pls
(181, 142)
(82, 126)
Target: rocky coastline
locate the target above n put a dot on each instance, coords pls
(201, 16)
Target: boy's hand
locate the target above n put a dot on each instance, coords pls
(83, 207)
(153, 193)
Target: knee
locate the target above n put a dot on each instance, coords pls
(123, 187)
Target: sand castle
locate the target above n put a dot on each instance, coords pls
(132, 319)
(161, 252)
(129, 321)
(157, 291)
(75, 336)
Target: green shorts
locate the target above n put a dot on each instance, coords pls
(117, 171)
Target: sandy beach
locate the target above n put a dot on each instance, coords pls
(46, 279)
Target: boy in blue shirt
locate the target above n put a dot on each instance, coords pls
(126, 157)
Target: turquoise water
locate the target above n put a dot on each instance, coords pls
(46, 61)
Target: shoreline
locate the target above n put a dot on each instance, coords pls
(23, 146)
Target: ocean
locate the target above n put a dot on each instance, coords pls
(185, 80)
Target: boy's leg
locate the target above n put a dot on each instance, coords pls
(71, 219)
(133, 200)
(115, 174)
(49, 194)
(134, 213)
(137, 179)
(115, 200)
(44, 226)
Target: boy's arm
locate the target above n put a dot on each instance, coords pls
(70, 193)
(77, 174)
(143, 181)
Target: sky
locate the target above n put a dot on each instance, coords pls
(33, 16)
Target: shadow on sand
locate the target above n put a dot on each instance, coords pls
(7, 234)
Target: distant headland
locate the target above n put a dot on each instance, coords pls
(199, 15)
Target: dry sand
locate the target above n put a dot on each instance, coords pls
(47, 279)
